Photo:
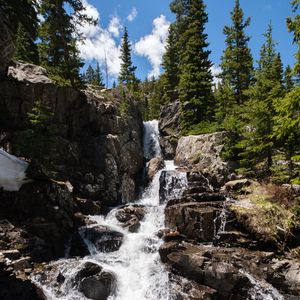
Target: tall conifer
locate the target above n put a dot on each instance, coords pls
(195, 86)
(237, 62)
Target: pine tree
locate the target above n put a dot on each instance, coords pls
(293, 25)
(59, 35)
(237, 62)
(127, 72)
(89, 75)
(258, 142)
(287, 127)
(26, 49)
(195, 86)
(98, 77)
(171, 66)
(288, 79)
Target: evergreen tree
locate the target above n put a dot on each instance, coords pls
(258, 141)
(89, 75)
(26, 49)
(59, 35)
(98, 77)
(171, 66)
(195, 86)
(287, 127)
(237, 62)
(288, 79)
(127, 72)
(293, 25)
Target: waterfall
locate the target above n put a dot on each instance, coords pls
(140, 275)
(151, 140)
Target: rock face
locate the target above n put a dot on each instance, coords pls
(7, 45)
(98, 148)
(202, 153)
(169, 129)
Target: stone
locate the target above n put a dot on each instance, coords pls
(95, 283)
(153, 166)
(169, 129)
(202, 153)
(88, 206)
(126, 213)
(11, 254)
(104, 238)
(236, 185)
(25, 72)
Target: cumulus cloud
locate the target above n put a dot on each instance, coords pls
(115, 26)
(99, 43)
(215, 71)
(152, 46)
(132, 15)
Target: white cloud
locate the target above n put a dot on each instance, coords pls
(152, 46)
(215, 71)
(115, 26)
(99, 43)
(132, 15)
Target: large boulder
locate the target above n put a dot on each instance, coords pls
(203, 153)
(95, 283)
(28, 73)
(169, 129)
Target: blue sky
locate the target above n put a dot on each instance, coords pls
(148, 21)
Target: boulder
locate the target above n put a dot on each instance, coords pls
(202, 153)
(25, 72)
(126, 213)
(103, 238)
(169, 129)
(236, 185)
(95, 283)
(153, 166)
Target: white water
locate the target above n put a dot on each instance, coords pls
(151, 140)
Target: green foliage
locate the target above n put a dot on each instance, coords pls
(26, 49)
(59, 35)
(127, 72)
(195, 86)
(258, 142)
(287, 126)
(237, 62)
(201, 128)
(293, 25)
(38, 141)
(93, 76)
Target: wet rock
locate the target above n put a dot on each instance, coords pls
(104, 238)
(194, 220)
(169, 129)
(126, 213)
(167, 248)
(133, 225)
(88, 206)
(95, 283)
(77, 246)
(202, 153)
(171, 185)
(153, 166)
(183, 289)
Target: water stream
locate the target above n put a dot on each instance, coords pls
(139, 273)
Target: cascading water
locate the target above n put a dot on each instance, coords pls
(139, 273)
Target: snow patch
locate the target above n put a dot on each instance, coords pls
(12, 171)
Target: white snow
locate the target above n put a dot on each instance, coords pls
(12, 171)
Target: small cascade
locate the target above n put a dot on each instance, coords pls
(151, 140)
(261, 290)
